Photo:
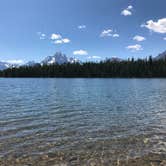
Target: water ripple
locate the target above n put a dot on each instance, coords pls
(105, 117)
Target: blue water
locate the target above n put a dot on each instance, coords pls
(125, 117)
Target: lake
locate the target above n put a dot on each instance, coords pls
(82, 121)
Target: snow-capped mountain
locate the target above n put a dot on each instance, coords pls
(4, 65)
(58, 58)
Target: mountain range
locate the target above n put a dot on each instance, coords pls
(58, 58)
(5, 65)
(61, 58)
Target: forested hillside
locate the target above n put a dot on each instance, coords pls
(128, 69)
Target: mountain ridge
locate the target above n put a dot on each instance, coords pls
(60, 58)
(161, 56)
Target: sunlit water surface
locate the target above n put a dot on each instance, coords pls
(80, 120)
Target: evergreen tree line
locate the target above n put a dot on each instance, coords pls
(106, 69)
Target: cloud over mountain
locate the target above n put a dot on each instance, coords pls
(80, 52)
(94, 57)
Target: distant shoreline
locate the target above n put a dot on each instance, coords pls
(107, 69)
(92, 77)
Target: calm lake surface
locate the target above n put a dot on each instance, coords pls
(81, 121)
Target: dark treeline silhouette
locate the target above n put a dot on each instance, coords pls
(106, 69)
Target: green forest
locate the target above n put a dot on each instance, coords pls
(105, 69)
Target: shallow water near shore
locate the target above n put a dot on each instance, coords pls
(82, 121)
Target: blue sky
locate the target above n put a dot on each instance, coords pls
(85, 29)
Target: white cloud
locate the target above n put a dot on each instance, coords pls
(58, 41)
(42, 36)
(136, 47)
(105, 33)
(109, 33)
(61, 41)
(139, 38)
(159, 26)
(66, 40)
(81, 26)
(80, 52)
(164, 38)
(55, 36)
(15, 61)
(130, 7)
(115, 35)
(127, 11)
(94, 57)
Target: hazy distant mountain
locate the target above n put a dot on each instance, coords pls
(58, 58)
(31, 63)
(161, 56)
(114, 59)
(73, 60)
